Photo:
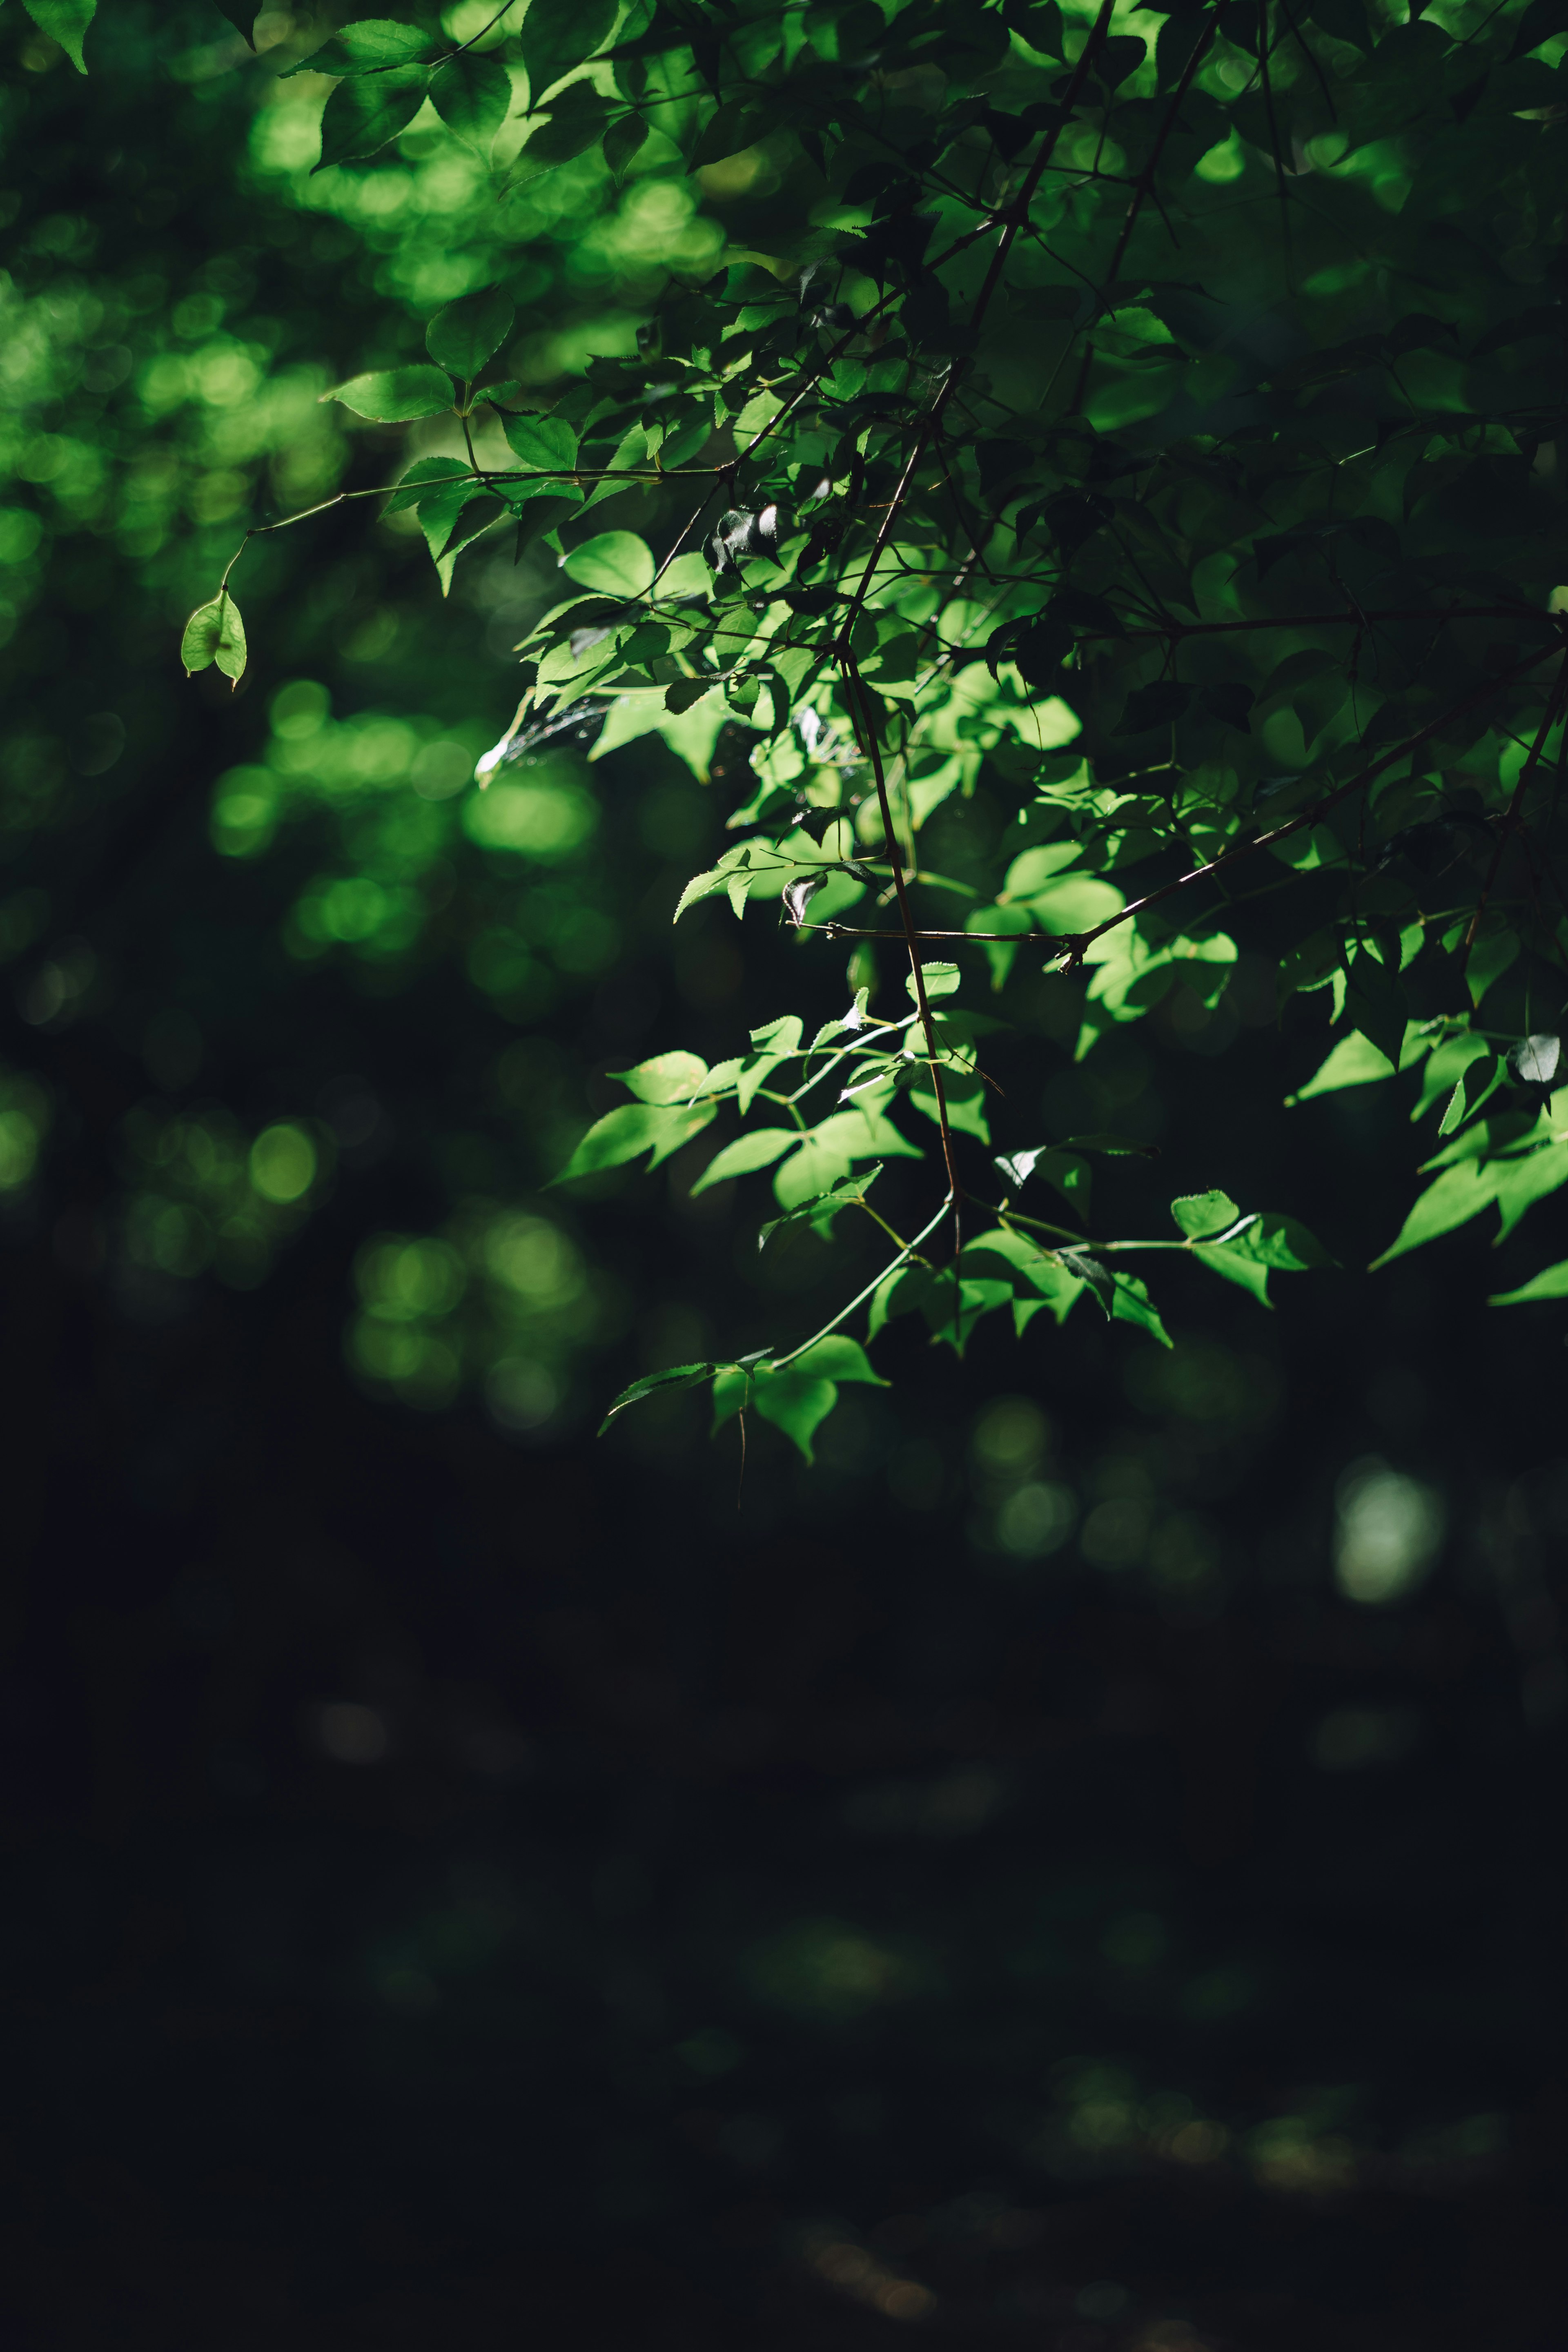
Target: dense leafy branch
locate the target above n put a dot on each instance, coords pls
(1115, 460)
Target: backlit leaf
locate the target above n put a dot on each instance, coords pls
(65, 21)
(617, 563)
(214, 636)
(396, 395)
(635, 1128)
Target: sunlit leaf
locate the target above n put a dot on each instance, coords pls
(617, 563)
(1202, 1214)
(67, 22)
(214, 636)
(677, 1376)
(371, 46)
(396, 395)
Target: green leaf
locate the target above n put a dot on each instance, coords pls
(470, 331)
(830, 1149)
(1542, 21)
(1283, 1243)
(560, 34)
(428, 478)
(734, 127)
(215, 633)
(838, 1358)
(822, 1208)
(369, 46)
(679, 1376)
(626, 1134)
(1235, 1266)
(1552, 1282)
(796, 1402)
(617, 563)
(623, 140)
(1478, 1078)
(574, 123)
(1202, 1214)
(940, 979)
(1458, 1194)
(364, 115)
(1446, 1065)
(1130, 1303)
(964, 1097)
(396, 395)
(472, 95)
(546, 443)
(666, 1079)
(1520, 1183)
(758, 1148)
(1058, 1165)
(1376, 1003)
(472, 525)
(798, 1397)
(65, 21)
(1355, 1061)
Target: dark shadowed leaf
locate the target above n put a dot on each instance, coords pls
(470, 331)
(365, 114)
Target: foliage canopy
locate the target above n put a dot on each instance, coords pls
(1108, 523)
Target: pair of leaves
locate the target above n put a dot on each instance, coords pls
(214, 639)
(796, 1397)
(460, 338)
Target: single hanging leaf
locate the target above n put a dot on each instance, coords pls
(617, 563)
(214, 634)
(558, 35)
(1132, 1304)
(666, 1079)
(1480, 1075)
(1458, 1194)
(940, 979)
(543, 443)
(1551, 1283)
(472, 95)
(66, 21)
(677, 1376)
(470, 331)
(370, 47)
(798, 1397)
(396, 395)
(365, 114)
(748, 1153)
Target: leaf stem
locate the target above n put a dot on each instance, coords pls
(861, 1296)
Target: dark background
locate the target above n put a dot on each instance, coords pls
(463, 1885)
